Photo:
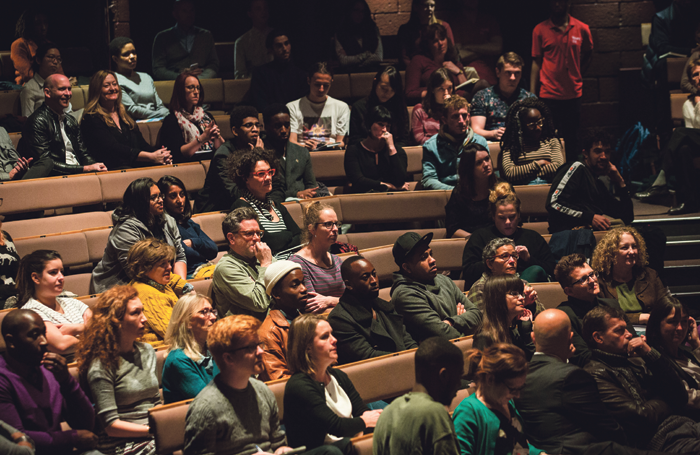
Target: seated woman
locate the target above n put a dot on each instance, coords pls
(506, 320)
(387, 91)
(410, 33)
(39, 285)
(621, 260)
(425, 118)
(530, 150)
(47, 61)
(149, 266)
(120, 373)
(358, 44)
(376, 164)
(468, 207)
(535, 261)
(139, 216)
(8, 270)
(199, 248)
(31, 29)
(321, 268)
(487, 422)
(110, 134)
(189, 366)
(320, 403)
(139, 95)
(252, 171)
(189, 132)
(674, 334)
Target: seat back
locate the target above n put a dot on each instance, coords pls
(165, 91)
(234, 91)
(362, 445)
(361, 84)
(296, 212)
(213, 92)
(58, 224)
(211, 225)
(340, 88)
(52, 192)
(96, 243)
(114, 183)
(72, 247)
(9, 103)
(549, 294)
(383, 377)
(78, 283)
(366, 240)
(414, 156)
(167, 424)
(533, 200)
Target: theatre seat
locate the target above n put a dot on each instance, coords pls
(550, 294)
(167, 425)
(340, 88)
(362, 445)
(234, 91)
(57, 224)
(211, 225)
(49, 193)
(165, 91)
(78, 283)
(9, 103)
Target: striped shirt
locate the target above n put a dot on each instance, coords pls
(321, 280)
(526, 170)
(272, 227)
(72, 310)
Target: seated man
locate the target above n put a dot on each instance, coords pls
(418, 421)
(184, 47)
(284, 283)
(36, 391)
(238, 283)
(580, 197)
(296, 176)
(441, 152)
(12, 166)
(52, 138)
(236, 413)
(365, 325)
(490, 106)
(580, 282)
(638, 385)
(249, 49)
(279, 81)
(430, 303)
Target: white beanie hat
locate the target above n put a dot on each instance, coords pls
(276, 271)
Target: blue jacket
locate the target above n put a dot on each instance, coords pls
(441, 160)
(203, 248)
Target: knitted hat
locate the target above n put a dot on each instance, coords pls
(276, 271)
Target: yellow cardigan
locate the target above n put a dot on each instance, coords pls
(158, 307)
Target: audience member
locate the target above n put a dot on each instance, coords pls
(284, 283)
(220, 191)
(9, 265)
(52, 138)
(487, 422)
(149, 267)
(140, 216)
(621, 260)
(31, 30)
(387, 91)
(250, 50)
(47, 61)
(189, 366)
(441, 153)
(358, 44)
(238, 283)
(184, 47)
(531, 153)
(468, 207)
(111, 133)
(376, 164)
(427, 115)
(252, 172)
(478, 39)
(418, 421)
(200, 250)
(14, 442)
(490, 105)
(365, 325)
(410, 33)
(505, 320)
(279, 81)
(37, 393)
(139, 94)
(532, 256)
(321, 268)
(579, 197)
(12, 166)
(430, 303)
(189, 132)
(293, 161)
(562, 47)
(686, 77)
(317, 119)
(120, 372)
(40, 289)
(321, 406)
(639, 386)
(580, 283)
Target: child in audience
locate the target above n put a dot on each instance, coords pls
(31, 29)
(358, 44)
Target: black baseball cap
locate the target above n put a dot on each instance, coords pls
(408, 244)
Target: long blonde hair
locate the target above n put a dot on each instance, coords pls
(94, 107)
(178, 335)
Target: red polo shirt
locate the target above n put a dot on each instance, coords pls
(560, 73)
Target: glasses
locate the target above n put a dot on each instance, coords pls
(251, 234)
(251, 125)
(155, 197)
(193, 88)
(507, 256)
(263, 174)
(515, 294)
(329, 224)
(207, 311)
(54, 58)
(539, 124)
(251, 348)
(591, 276)
(514, 390)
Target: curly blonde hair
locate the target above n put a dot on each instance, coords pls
(606, 250)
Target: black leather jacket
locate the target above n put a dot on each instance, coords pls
(41, 137)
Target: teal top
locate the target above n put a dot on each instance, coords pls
(183, 378)
(478, 428)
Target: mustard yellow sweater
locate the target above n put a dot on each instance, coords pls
(158, 307)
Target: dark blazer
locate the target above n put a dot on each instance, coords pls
(295, 172)
(219, 191)
(116, 148)
(562, 410)
(360, 336)
(308, 418)
(576, 309)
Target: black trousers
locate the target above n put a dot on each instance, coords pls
(567, 119)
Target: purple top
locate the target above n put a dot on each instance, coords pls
(327, 282)
(39, 412)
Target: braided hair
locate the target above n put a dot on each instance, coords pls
(512, 139)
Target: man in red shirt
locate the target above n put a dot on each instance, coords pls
(561, 51)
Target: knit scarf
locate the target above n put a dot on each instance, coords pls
(467, 139)
(263, 206)
(193, 124)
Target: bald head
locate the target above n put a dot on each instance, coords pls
(24, 333)
(55, 79)
(552, 333)
(17, 320)
(57, 92)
